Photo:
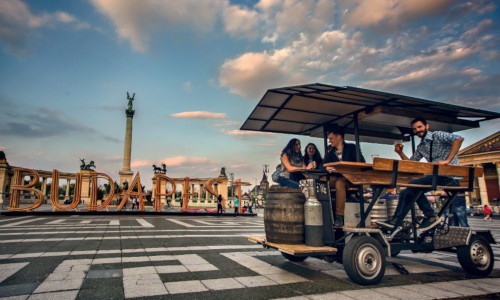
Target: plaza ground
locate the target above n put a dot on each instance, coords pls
(194, 257)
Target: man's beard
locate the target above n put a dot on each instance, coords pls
(423, 136)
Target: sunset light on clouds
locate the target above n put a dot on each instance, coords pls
(199, 67)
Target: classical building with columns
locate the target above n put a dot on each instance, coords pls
(5, 175)
(485, 153)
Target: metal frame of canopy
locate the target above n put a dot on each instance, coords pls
(367, 115)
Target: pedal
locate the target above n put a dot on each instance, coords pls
(393, 234)
(400, 268)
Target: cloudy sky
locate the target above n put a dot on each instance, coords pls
(199, 67)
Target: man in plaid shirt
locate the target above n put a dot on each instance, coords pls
(438, 147)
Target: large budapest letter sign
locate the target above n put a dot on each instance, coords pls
(17, 187)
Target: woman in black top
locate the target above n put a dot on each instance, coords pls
(312, 155)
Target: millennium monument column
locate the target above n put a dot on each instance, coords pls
(126, 173)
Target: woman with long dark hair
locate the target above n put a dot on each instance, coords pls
(292, 163)
(312, 155)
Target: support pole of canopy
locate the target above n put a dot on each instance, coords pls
(356, 136)
(325, 138)
(412, 143)
(358, 158)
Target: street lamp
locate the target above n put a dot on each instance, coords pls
(231, 177)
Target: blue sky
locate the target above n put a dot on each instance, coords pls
(198, 68)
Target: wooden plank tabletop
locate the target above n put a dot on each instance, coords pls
(380, 173)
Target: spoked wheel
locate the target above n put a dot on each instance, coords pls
(477, 257)
(293, 258)
(364, 260)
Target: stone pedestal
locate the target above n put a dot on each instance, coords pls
(126, 173)
(125, 176)
(483, 191)
(86, 186)
(497, 165)
(222, 186)
(163, 186)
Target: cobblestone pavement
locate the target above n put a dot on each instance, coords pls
(189, 257)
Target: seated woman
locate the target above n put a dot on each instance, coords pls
(292, 163)
(312, 155)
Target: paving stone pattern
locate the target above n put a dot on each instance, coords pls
(181, 257)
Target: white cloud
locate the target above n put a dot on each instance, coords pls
(188, 87)
(141, 163)
(390, 15)
(309, 16)
(266, 5)
(137, 21)
(244, 133)
(471, 35)
(18, 24)
(241, 21)
(251, 74)
(64, 17)
(187, 161)
(199, 115)
(426, 74)
(114, 158)
(227, 123)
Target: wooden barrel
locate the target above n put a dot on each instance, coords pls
(391, 209)
(379, 211)
(284, 216)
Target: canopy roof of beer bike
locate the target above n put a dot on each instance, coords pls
(381, 117)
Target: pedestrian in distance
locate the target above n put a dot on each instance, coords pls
(134, 203)
(487, 212)
(236, 206)
(219, 205)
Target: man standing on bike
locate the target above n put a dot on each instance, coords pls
(438, 147)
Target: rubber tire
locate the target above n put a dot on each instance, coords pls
(466, 256)
(293, 258)
(362, 248)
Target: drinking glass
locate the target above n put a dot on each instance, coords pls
(398, 145)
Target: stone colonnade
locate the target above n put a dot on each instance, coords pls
(486, 154)
(487, 187)
(485, 192)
